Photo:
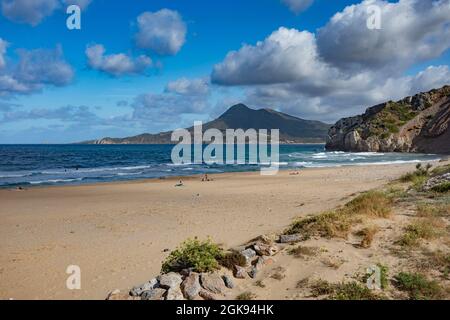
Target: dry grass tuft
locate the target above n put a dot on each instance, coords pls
(300, 251)
(436, 260)
(433, 210)
(422, 229)
(321, 287)
(372, 203)
(367, 234)
(337, 223)
(246, 296)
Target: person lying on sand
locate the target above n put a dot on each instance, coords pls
(180, 184)
(296, 173)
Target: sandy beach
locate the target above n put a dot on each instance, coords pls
(119, 233)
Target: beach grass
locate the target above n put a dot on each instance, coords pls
(427, 210)
(421, 229)
(246, 296)
(417, 286)
(337, 223)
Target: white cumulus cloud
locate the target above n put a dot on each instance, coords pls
(411, 31)
(344, 67)
(34, 70)
(33, 12)
(163, 32)
(286, 55)
(28, 11)
(185, 86)
(116, 64)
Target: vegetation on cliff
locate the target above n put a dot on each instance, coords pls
(414, 124)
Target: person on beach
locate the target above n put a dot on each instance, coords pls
(205, 178)
(180, 184)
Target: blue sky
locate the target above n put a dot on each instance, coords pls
(63, 85)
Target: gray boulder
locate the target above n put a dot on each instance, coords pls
(191, 286)
(265, 249)
(208, 295)
(170, 280)
(153, 294)
(249, 254)
(212, 282)
(253, 272)
(290, 238)
(240, 272)
(174, 294)
(228, 281)
(149, 285)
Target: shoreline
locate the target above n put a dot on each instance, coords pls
(118, 233)
(283, 168)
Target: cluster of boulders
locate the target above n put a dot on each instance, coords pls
(191, 285)
(179, 286)
(257, 254)
(436, 181)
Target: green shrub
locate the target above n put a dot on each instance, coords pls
(201, 256)
(393, 128)
(418, 177)
(353, 291)
(418, 286)
(442, 188)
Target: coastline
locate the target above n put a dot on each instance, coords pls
(187, 177)
(118, 232)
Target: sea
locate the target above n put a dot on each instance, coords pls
(43, 165)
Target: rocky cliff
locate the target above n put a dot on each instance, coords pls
(415, 124)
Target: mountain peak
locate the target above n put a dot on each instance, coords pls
(239, 116)
(239, 107)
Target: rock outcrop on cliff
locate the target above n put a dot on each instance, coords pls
(415, 124)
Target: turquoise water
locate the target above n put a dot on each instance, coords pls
(28, 165)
